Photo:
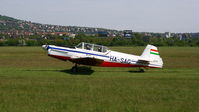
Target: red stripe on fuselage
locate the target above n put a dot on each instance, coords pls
(112, 64)
(154, 50)
(60, 57)
(105, 63)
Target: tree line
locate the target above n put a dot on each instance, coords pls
(136, 40)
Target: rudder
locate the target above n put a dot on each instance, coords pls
(151, 53)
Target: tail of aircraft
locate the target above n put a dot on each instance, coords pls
(151, 53)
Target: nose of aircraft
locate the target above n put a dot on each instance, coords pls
(45, 47)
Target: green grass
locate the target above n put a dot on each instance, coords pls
(30, 81)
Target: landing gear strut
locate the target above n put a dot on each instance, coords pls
(141, 70)
(74, 68)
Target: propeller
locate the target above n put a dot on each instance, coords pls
(46, 47)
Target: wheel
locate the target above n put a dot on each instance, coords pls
(141, 70)
(74, 69)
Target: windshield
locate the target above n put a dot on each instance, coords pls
(92, 47)
(88, 46)
(79, 46)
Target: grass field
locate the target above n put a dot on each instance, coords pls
(30, 81)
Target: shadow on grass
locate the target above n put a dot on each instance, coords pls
(130, 71)
(83, 70)
(133, 70)
(136, 71)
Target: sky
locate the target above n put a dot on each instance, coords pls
(137, 15)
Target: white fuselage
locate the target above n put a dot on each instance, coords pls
(110, 58)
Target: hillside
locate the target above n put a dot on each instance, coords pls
(9, 24)
(15, 27)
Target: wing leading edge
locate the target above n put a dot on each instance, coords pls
(87, 61)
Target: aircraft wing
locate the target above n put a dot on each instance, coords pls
(87, 61)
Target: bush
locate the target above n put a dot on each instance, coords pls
(12, 42)
(2, 43)
(31, 43)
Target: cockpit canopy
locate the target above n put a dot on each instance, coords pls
(92, 47)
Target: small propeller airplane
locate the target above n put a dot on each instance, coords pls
(98, 55)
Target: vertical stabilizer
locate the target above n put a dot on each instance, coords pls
(151, 53)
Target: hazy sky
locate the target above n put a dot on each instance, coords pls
(137, 15)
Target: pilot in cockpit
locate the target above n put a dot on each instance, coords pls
(100, 49)
(88, 47)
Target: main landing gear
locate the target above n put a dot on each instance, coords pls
(141, 69)
(74, 68)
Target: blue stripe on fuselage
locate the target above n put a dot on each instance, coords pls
(88, 53)
(78, 52)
